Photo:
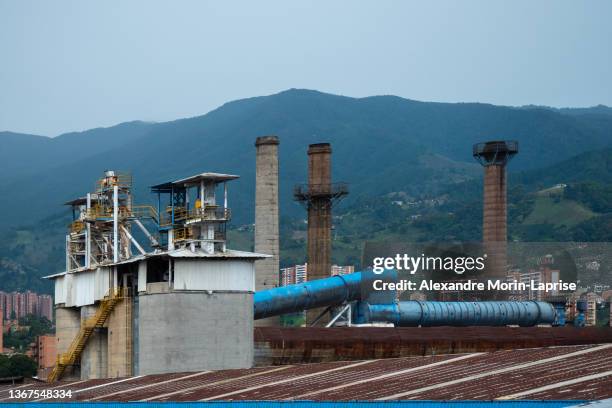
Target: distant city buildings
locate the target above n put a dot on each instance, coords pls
(294, 274)
(17, 305)
(31, 303)
(299, 273)
(590, 315)
(594, 298)
(342, 269)
(45, 306)
(546, 273)
(45, 354)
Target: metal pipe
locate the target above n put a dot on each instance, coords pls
(88, 234)
(115, 224)
(357, 287)
(146, 232)
(68, 265)
(427, 313)
(331, 291)
(317, 293)
(131, 238)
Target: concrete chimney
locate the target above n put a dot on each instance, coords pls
(266, 217)
(494, 156)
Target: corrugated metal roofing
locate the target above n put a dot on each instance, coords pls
(191, 180)
(581, 372)
(199, 253)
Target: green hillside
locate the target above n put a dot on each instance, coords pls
(557, 212)
(408, 164)
(381, 144)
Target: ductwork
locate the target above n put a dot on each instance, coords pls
(381, 306)
(424, 313)
(317, 293)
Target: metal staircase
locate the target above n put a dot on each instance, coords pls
(77, 346)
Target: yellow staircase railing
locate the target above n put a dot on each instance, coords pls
(77, 346)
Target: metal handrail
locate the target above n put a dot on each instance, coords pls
(144, 211)
(122, 180)
(207, 213)
(306, 191)
(181, 234)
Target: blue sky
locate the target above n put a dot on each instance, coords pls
(74, 65)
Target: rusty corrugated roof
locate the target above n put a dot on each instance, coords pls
(582, 372)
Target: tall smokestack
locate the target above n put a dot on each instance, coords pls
(266, 217)
(319, 195)
(319, 212)
(494, 156)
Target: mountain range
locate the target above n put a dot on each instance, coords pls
(381, 145)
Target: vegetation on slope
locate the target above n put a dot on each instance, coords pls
(408, 164)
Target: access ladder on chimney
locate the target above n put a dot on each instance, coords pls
(87, 327)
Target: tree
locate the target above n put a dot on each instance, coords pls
(5, 366)
(21, 338)
(17, 365)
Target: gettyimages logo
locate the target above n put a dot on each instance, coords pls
(524, 270)
(422, 263)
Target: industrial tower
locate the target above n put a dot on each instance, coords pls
(494, 156)
(319, 195)
(168, 307)
(266, 217)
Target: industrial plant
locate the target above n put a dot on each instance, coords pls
(155, 289)
(184, 305)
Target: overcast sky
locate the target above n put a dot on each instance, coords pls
(74, 65)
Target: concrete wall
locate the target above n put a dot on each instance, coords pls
(120, 340)
(94, 359)
(194, 331)
(67, 325)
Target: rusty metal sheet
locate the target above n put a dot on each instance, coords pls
(482, 376)
(313, 344)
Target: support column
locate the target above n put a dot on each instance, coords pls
(94, 359)
(67, 326)
(120, 340)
